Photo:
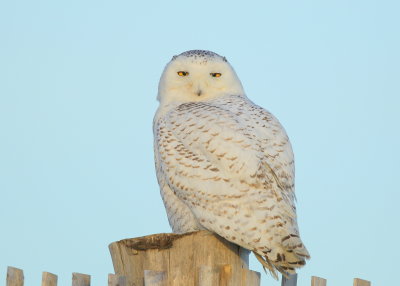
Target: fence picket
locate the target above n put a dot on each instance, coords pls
(49, 279)
(318, 281)
(207, 275)
(79, 279)
(291, 281)
(361, 282)
(15, 276)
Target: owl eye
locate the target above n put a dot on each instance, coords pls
(183, 73)
(215, 74)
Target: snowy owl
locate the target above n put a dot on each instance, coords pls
(223, 163)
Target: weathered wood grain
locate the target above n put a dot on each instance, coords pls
(361, 282)
(226, 277)
(79, 279)
(186, 259)
(155, 278)
(208, 275)
(318, 281)
(250, 277)
(15, 276)
(49, 279)
(116, 280)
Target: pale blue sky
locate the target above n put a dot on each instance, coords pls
(78, 84)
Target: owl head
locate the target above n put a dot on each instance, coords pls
(198, 76)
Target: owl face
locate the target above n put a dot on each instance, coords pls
(197, 76)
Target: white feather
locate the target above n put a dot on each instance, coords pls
(223, 163)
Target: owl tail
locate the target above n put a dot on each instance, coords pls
(285, 269)
(291, 255)
(266, 265)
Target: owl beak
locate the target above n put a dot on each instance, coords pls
(199, 92)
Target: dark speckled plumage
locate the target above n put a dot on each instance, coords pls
(200, 55)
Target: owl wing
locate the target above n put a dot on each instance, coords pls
(230, 163)
(275, 144)
(224, 149)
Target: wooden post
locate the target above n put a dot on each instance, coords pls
(116, 280)
(361, 282)
(250, 277)
(15, 276)
(317, 281)
(291, 281)
(49, 279)
(79, 279)
(196, 258)
(155, 278)
(208, 275)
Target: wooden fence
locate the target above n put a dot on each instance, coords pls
(15, 277)
(198, 258)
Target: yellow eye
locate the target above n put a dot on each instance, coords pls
(215, 74)
(183, 73)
